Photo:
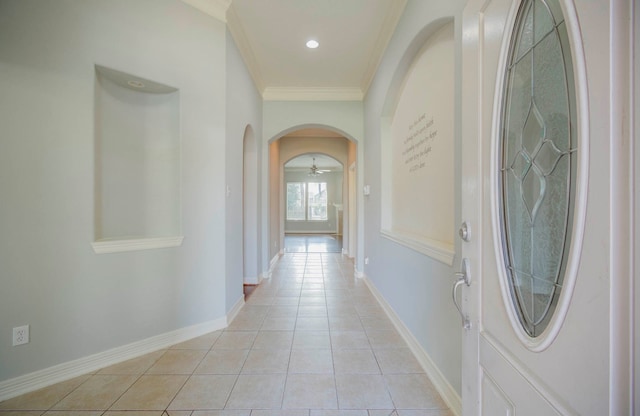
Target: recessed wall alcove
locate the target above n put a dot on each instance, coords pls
(137, 163)
(417, 164)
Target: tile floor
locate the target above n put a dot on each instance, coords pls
(312, 243)
(310, 341)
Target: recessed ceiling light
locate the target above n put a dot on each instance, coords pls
(135, 84)
(312, 44)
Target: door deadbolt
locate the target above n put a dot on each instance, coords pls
(465, 232)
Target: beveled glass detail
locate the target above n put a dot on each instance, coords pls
(538, 162)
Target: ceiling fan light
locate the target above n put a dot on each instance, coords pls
(314, 171)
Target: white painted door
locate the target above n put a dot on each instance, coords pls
(576, 358)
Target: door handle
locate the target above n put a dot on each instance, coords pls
(462, 278)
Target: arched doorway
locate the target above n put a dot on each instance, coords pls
(314, 191)
(300, 142)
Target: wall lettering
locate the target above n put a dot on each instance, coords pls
(418, 144)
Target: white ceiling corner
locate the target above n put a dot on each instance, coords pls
(270, 36)
(393, 17)
(214, 8)
(234, 24)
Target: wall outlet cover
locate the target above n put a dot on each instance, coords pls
(21, 335)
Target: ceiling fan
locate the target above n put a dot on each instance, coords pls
(314, 170)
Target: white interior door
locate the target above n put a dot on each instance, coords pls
(545, 184)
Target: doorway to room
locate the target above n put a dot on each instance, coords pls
(314, 192)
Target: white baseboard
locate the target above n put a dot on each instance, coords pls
(66, 371)
(274, 261)
(135, 244)
(311, 232)
(447, 392)
(235, 310)
(253, 280)
(267, 273)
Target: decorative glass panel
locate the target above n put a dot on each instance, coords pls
(538, 166)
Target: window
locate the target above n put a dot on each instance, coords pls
(306, 201)
(317, 201)
(295, 201)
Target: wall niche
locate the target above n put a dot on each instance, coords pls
(418, 199)
(137, 163)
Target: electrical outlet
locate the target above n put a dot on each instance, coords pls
(21, 335)
(366, 260)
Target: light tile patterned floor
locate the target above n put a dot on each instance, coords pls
(311, 341)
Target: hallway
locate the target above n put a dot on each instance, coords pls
(312, 243)
(310, 341)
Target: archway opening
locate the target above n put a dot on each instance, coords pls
(308, 142)
(313, 204)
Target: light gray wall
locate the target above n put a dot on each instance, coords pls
(636, 232)
(79, 303)
(417, 287)
(244, 116)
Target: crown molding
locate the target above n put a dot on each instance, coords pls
(312, 94)
(224, 11)
(214, 8)
(386, 33)
(242, 43)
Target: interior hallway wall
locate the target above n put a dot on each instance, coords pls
(417, 287)
(76, 302)
(244, 113)
(350, 222)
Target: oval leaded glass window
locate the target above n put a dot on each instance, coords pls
(538, 158)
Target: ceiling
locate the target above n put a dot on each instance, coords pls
(271, 36)
(304, 162)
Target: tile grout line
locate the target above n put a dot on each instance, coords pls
(166, 410)
(331, 277)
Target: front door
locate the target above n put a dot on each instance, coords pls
(545, 190)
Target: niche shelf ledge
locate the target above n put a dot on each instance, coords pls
(438, 250)
(135, 244)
